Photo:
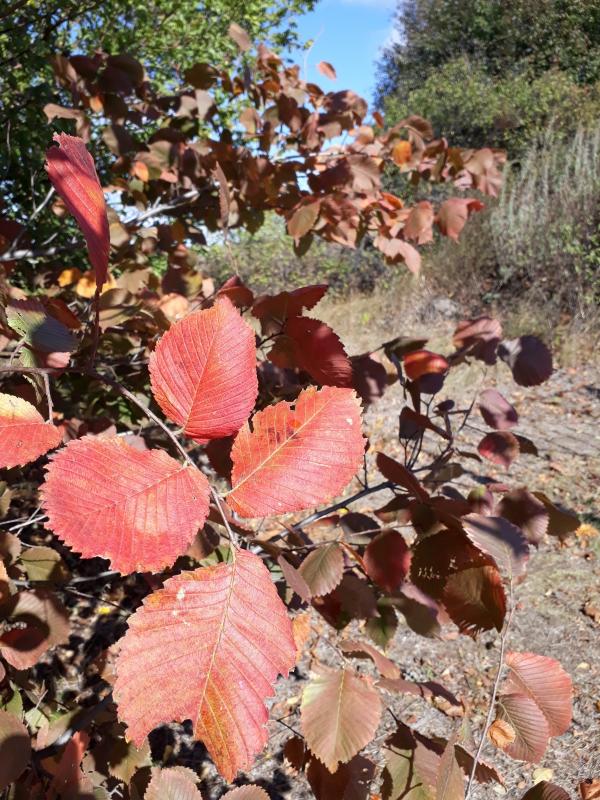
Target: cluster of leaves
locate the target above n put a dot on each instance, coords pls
(224, 148)
(259, 395)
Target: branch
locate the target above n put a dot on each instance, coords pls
(490, 714)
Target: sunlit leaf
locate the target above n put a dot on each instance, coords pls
(502, 541)
(140, 509)
(496, 411)
(72, 172)
(24, 435)
(339, 715)
(499, 447)
(297, 457)
(176, 783)
(207, 647)
(203, 372)
(322, 569)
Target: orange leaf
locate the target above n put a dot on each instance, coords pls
(207, 647)
(140, 509)
(297, 457)
(203, 372)
(326, 69)
(71, 169)
(24, 436)
(402, 152)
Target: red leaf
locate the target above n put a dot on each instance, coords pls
(295, 580)
(316, 349)
(36, 621)
(500, 447)
(478, 337)
(546, 791)
(424, 362)
(529, 359)
(496, 411)
(288, 304)
(400, 475)
(322, 570)
(369, 377)
(351, 781)
(339, 715)
(297, 457)
(207, 647)
(545, 681)
(454, 213)
(475, 600)
(527, 512)
(499, 539)
(387, 560)
(140, 509)
(326, 69)
(529, 724)
(24, 436)
(203, 372)
(69, 780)
(236, 290)
(71, 169)
(15, 748)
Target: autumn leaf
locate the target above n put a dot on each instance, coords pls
(15, 747)
(207, 647)
(496, 411)
(203, 372)
(499, 447)
(35, 622)
(24, 435)
(316, 349)
(322, 570)
(387, 560)
(140, 509)
(175, 783)
(501, 540)
(326, 69)
(339, 715)
(296, 457)
(72, 172)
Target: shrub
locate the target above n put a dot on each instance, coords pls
(233, 410)
(539, 241)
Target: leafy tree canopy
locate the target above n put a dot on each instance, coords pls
(503, 64)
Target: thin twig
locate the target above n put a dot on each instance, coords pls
(491, 709)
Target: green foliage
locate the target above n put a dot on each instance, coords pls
(540, 243)
(471, 107)
(494, 71)
(268, 261)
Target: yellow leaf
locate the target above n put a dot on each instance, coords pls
(69, 276)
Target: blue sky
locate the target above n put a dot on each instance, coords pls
(349, 34)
